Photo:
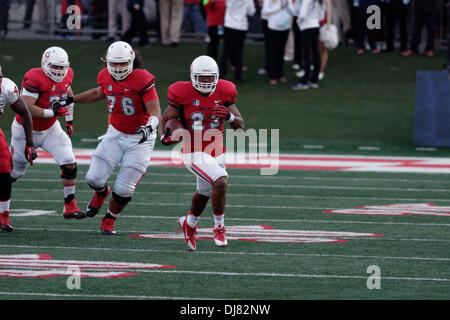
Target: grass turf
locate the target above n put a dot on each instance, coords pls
(412, 254)
(363, 101)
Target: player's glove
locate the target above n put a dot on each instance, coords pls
(146, 131)
(69, 128)
(30, 152)
(59, 110)
(166, 138)
(221, 112)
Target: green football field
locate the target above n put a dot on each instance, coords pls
(363, 101)
(411, 252)
(285, 240)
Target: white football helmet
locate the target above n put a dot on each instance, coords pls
(120, 51)
(204, 66)
(55, 56)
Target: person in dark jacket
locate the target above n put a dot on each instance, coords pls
(425, 12)
(397, 12)
(138, 23)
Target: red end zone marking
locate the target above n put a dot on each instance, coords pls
(43, 266)
(428, 209)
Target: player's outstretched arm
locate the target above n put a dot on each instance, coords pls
(89, 96)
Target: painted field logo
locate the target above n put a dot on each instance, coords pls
(43, 266)
(265, 233)
(426, 209)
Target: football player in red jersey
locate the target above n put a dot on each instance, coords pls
(9, 95)
(133, 104)
(202, 105)
(42, 88)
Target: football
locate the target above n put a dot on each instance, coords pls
(173, 125)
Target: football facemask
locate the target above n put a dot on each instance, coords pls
(55, 63)
(119, 52)
(204, 66)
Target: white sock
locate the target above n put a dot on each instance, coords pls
(4, 206)
(68, 190)
(219, 220)
(192, 220)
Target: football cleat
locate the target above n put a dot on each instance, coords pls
(107, 226)
(96, 202)
(5, 223)
(71, 211)
(219, 237)
(189, 233)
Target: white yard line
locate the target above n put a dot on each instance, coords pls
(144, 232)
(100, 296)
(293, 196)
(245, 253)
(239, 176)
(271, 186)
(268, 220)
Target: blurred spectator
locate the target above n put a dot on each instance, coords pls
(117, 7)
(325, 23)
(263, 70)
(298, 55)
(193, 14)
(341, 16)
(215, 13)
(425, 12)
(4, 9)
(397, 12)
(289, 48)
(352, 33)
(138, 23)
(99, 17)
(235, 31)
(28, 14)
(310, 13)
(43, 8)
(171, 17)
(279, 18)
(362, 29)
(44, 14)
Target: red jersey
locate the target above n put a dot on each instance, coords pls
(47, 91)
(126, 99)
(196, 109)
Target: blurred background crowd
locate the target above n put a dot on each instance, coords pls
(289, 29)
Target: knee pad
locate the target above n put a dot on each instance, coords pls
(5, 187)
(120, 200)
(68, 173)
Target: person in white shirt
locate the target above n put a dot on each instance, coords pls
(235, 31)
(279, 16)
(310, 13)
